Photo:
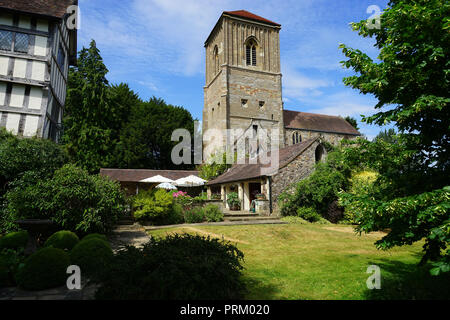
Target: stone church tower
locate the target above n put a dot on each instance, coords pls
(243, 78)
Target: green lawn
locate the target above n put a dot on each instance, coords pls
(323, 262)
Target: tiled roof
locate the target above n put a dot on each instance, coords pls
(318, 122)
(240, 172)
(248, 15)
(51, 8)
(136, 175)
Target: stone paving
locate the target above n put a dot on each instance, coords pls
(87, 292)
(124, 235)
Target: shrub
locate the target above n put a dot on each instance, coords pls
(294, 220)
(321, 188)
(233, 200)
(179, 267)
(64, 240)
(10, 261)
(44, 269)
(154, 206)
(308, 214)
(176, 215)
(91, 255)
(213, 213)
(14, 240)
(95, 236)
(75, 200)
(194, 215)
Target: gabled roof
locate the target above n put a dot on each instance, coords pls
(251, 16)
(317, 122)
(241, 172)
(49, 8)
(136, 175)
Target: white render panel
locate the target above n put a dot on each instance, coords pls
(17, 96)
(2, 93)
(24, 22)
(4, 65)
(31, 126)
(35, 101)
(38, 71)
(6, 19)
(12, 123)
(42, 25)
(40, 46)
(20, 68)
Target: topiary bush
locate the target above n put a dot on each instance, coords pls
(178, 267)
(44, 269)
(91, 255)
(95, 236)
(64, 240)
(213, 213)
(14, 240)
(308, 214)
(194, 215)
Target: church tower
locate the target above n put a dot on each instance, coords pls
(243, 78)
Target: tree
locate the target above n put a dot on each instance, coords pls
(411, 83)
(145, 141)
(95, 112)
(352, 121)
(387, 135)
(214, 168)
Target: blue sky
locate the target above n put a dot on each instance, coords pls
(156, 46)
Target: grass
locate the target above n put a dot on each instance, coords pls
(326, 262)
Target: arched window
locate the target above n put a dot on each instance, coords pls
(250, 50)
(216, 60)
(296, 138)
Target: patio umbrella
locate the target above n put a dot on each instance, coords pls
(191, 181)
(167, 186)
(157, 179)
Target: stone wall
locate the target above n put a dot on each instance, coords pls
(290, 175)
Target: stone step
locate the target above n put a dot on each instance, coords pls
(251, 218)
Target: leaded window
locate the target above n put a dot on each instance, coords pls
(61, 57)
(6, 38)
(21, 43)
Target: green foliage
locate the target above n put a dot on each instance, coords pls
(233, 200)
(64, 240)
(14, 240)
(44, 269)
(294, 220)
(153, 205)
(10, 261)
(213, 213)
(96, 236)
(409, 219)
(412, 78)
(320, 189)
(195, 215)
(362, 182)
(91, 255)
(179, 267)
(25, 161)
(308, 214)
(145, 140)
(75, 200)
(389, 136)
(214, 167)
(352, 121)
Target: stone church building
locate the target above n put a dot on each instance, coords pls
(244, 91)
